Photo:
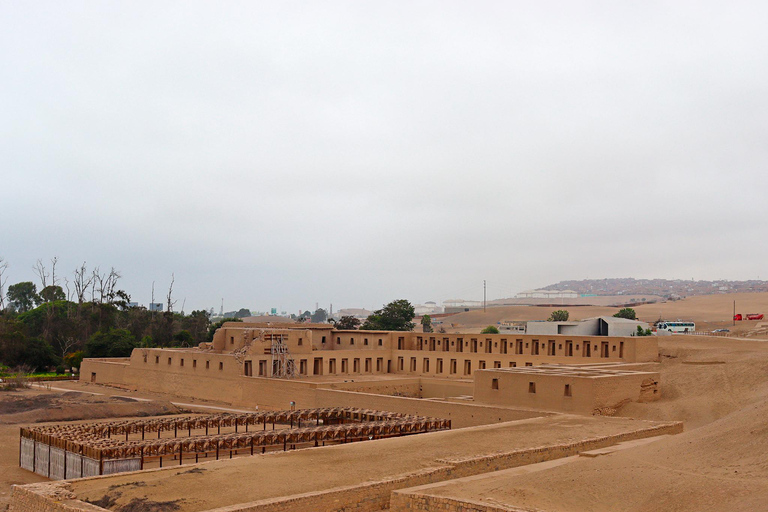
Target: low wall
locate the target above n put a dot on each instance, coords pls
(103, 371)
(445, 388)
(424, 503)
(393, 387)
(461, 415)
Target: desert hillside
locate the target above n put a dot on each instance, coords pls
(711, 311)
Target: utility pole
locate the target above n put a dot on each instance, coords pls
(483, 295)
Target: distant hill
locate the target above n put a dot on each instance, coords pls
(671, 288)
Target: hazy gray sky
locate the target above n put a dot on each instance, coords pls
(278, 154)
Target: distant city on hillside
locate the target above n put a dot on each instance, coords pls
(670, 288)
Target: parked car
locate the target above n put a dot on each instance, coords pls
(721, 330)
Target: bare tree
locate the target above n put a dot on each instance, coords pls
(66, 285)
(111, 285)
(106, 284)
(39, 269)
(65, 344)
(93, 282)
(54, 261)
(99, 283)
(81, 283)
(3, 280)
(171, 302)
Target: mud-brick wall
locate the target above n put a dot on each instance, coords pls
(423, 503)
(47, 498)
(461, 415)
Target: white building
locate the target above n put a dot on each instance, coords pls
(598, 326)
(547, 294)
(428, 308)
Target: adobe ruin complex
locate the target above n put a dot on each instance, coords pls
(474, 400)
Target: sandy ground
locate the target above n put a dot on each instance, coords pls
(719, 388)
(334, 466)
(69, 401)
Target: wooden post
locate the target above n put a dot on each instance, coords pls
(217, 450)
(141, 463)
(181, 454)
(251, 443)
(142, 432)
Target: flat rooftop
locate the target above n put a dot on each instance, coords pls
(572, 371)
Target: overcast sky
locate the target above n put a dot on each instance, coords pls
(279, 154)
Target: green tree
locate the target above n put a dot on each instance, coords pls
(51, 293)
(491, 329)
(113, 343)
(426, 323)
(121, 299)
(183, 339)
(561, 315)
(17, 348)
(627, 313)
(197, 324)
(395, 316)
(213, 327)
(23, 296)
(38, 354)
(242, 313)
(74, 359)
(347, 323)
(319, 316)
(643, 332)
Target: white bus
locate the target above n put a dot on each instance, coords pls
(677, 326)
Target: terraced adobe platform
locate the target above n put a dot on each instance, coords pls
(359, 476)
